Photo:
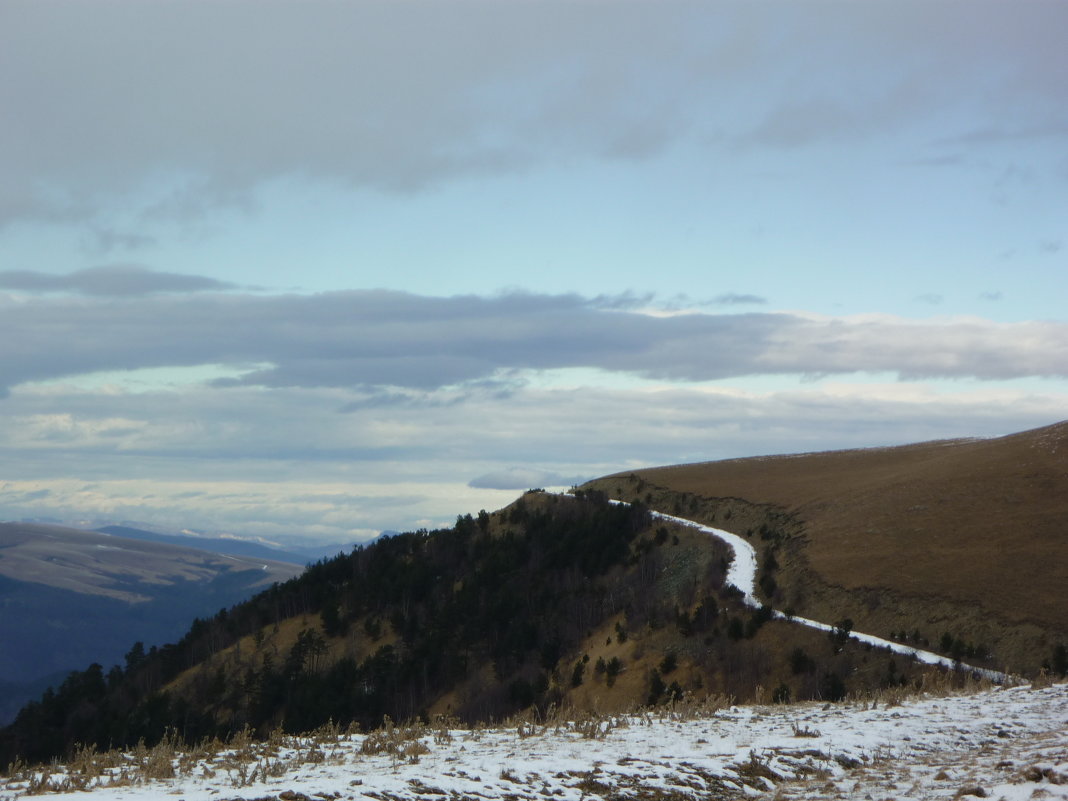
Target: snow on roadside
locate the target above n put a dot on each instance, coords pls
(742, 575)
(1003, 743)
(742, 571)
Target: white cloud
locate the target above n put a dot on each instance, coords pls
(396, 339)
(177, 108)
(385, 410)
(120, 280)
(129, 125)
(287, 463)
(521, 478)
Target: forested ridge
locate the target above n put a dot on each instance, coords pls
(554, 600)
(516, 593)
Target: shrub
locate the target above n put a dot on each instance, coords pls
(668, 663)
(840, 633)
(705, 614)
(656, 688)
(1059, 663)
(613, 669)
(735, 628)
(757, 619)
(683, 622)
(521, 693)
(768, 585)
(832, 688)
(576, 674)
(800, 662)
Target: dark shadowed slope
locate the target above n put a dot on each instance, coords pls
(70, 597)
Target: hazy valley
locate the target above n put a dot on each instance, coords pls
(71, 597)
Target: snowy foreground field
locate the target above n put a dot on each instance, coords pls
(1000, 743)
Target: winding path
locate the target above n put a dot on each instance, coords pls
(742, 575)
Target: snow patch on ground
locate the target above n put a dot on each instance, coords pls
(1004, 743)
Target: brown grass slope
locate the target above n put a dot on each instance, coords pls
(937, 534)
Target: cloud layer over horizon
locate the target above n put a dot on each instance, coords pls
(336, 415)
(317, 269)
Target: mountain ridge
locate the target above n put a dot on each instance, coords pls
(962, 536)
(220, 545)
(67, 558)
(70, 597)
(572, 600)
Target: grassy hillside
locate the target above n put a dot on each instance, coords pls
(967, 538)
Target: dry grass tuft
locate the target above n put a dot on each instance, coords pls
(805, 731)
(756, 772)
(400, 742)
(1042, 680)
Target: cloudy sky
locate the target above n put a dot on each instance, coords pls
(316, 269)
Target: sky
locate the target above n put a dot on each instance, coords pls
(313, 270)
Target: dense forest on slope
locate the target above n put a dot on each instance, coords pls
(554, 600)
(435, 606)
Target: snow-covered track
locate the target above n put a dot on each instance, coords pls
(742, 574)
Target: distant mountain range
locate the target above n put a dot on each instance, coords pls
(221, 545)
(288, 548)
(70, 597)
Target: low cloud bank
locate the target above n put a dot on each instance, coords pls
(522, 478)
(379, 338)
(289, 463)
(116, 280)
